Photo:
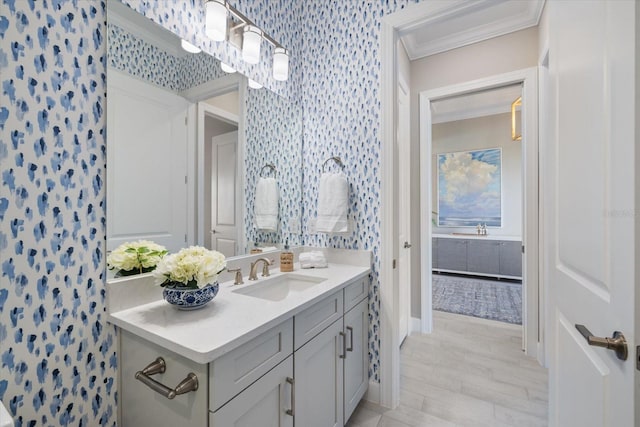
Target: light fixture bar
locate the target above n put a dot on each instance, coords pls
(246, 21)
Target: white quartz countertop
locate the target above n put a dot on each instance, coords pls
(476, 236)
(231, 319)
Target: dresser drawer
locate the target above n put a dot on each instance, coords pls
(316, 318)
(236, 370)
(356, 292)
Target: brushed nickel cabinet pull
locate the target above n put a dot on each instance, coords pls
(292, 411)
(350, 329)
(344, 345)
(158, 366)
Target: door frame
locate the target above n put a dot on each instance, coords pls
(200, 93)
(387, 390)
(530, 230)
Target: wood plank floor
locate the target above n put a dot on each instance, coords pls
(469, 372)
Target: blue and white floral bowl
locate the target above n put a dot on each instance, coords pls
(190, 299)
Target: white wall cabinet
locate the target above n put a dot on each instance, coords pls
(263, 382)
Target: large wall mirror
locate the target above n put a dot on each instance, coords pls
(187, 144)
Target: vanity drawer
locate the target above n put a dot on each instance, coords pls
(316, 318)
(236, 370)
(356, 292)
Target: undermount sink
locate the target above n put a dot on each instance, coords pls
(279, 287)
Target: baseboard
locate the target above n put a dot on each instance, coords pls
(416, 325)
(373, 393)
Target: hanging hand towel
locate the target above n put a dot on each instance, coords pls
(266, 208)
(333, 203)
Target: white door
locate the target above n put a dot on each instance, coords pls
(147, 163)
(589, 210)
(404, 213)
(224, 194)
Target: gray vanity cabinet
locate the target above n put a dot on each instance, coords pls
(452, 254)
(356, 362)
(483, 256)
(495, 258)
(266, 402)
(511, 258)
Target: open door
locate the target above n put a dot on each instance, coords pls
(590, 216)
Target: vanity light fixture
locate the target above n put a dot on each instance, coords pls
(216, 20)
(218, 15)
(254, 84)
(252, 38)
(280, 64)
(227, 68)
(188, 47)
(515, 104)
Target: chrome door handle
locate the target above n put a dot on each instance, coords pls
(407, 245)
(617, 343)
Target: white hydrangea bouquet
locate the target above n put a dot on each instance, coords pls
(137, 257)
(191, 268)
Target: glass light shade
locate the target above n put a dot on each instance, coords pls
(216, 20)
(280, 64)
(251, 44)
(254, 84)
(227, 68)
(189, 47)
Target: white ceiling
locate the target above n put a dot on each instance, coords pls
(470, 21)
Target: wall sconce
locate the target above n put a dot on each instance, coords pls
(217, 13)
(515, 104)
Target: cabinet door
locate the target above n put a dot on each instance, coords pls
(434, 252)
(264, 403)
(452, 254)
(483, 256)
(319, 379)
(511, 258)
(356, 363)
(140, 405)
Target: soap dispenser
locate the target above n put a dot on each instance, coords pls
(286, 259)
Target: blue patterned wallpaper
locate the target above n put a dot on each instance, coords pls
(57, 358)
(341, 104)
(57, 354)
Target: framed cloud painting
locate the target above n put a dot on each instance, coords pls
(470, 188)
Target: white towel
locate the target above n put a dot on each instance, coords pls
(266, 208)
(313, 259)
(333, 203)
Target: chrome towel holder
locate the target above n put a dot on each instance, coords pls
(269, 166)
(336, 159)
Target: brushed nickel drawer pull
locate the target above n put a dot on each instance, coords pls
(158, 366)
(292, 411)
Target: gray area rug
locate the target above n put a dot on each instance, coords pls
(471, 296)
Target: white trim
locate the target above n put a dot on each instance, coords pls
(528, 78)
(203, 109)
(416, 325)
(389, 345)
(192, 175)
(215, 87)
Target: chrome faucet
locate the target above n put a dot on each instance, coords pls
(254, 267)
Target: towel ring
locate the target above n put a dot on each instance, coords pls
(270, 166)
(335, 159)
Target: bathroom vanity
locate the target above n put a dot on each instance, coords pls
(290, 348)
(494, 256)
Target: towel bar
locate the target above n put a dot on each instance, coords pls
(336, 159)
(270, 166)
